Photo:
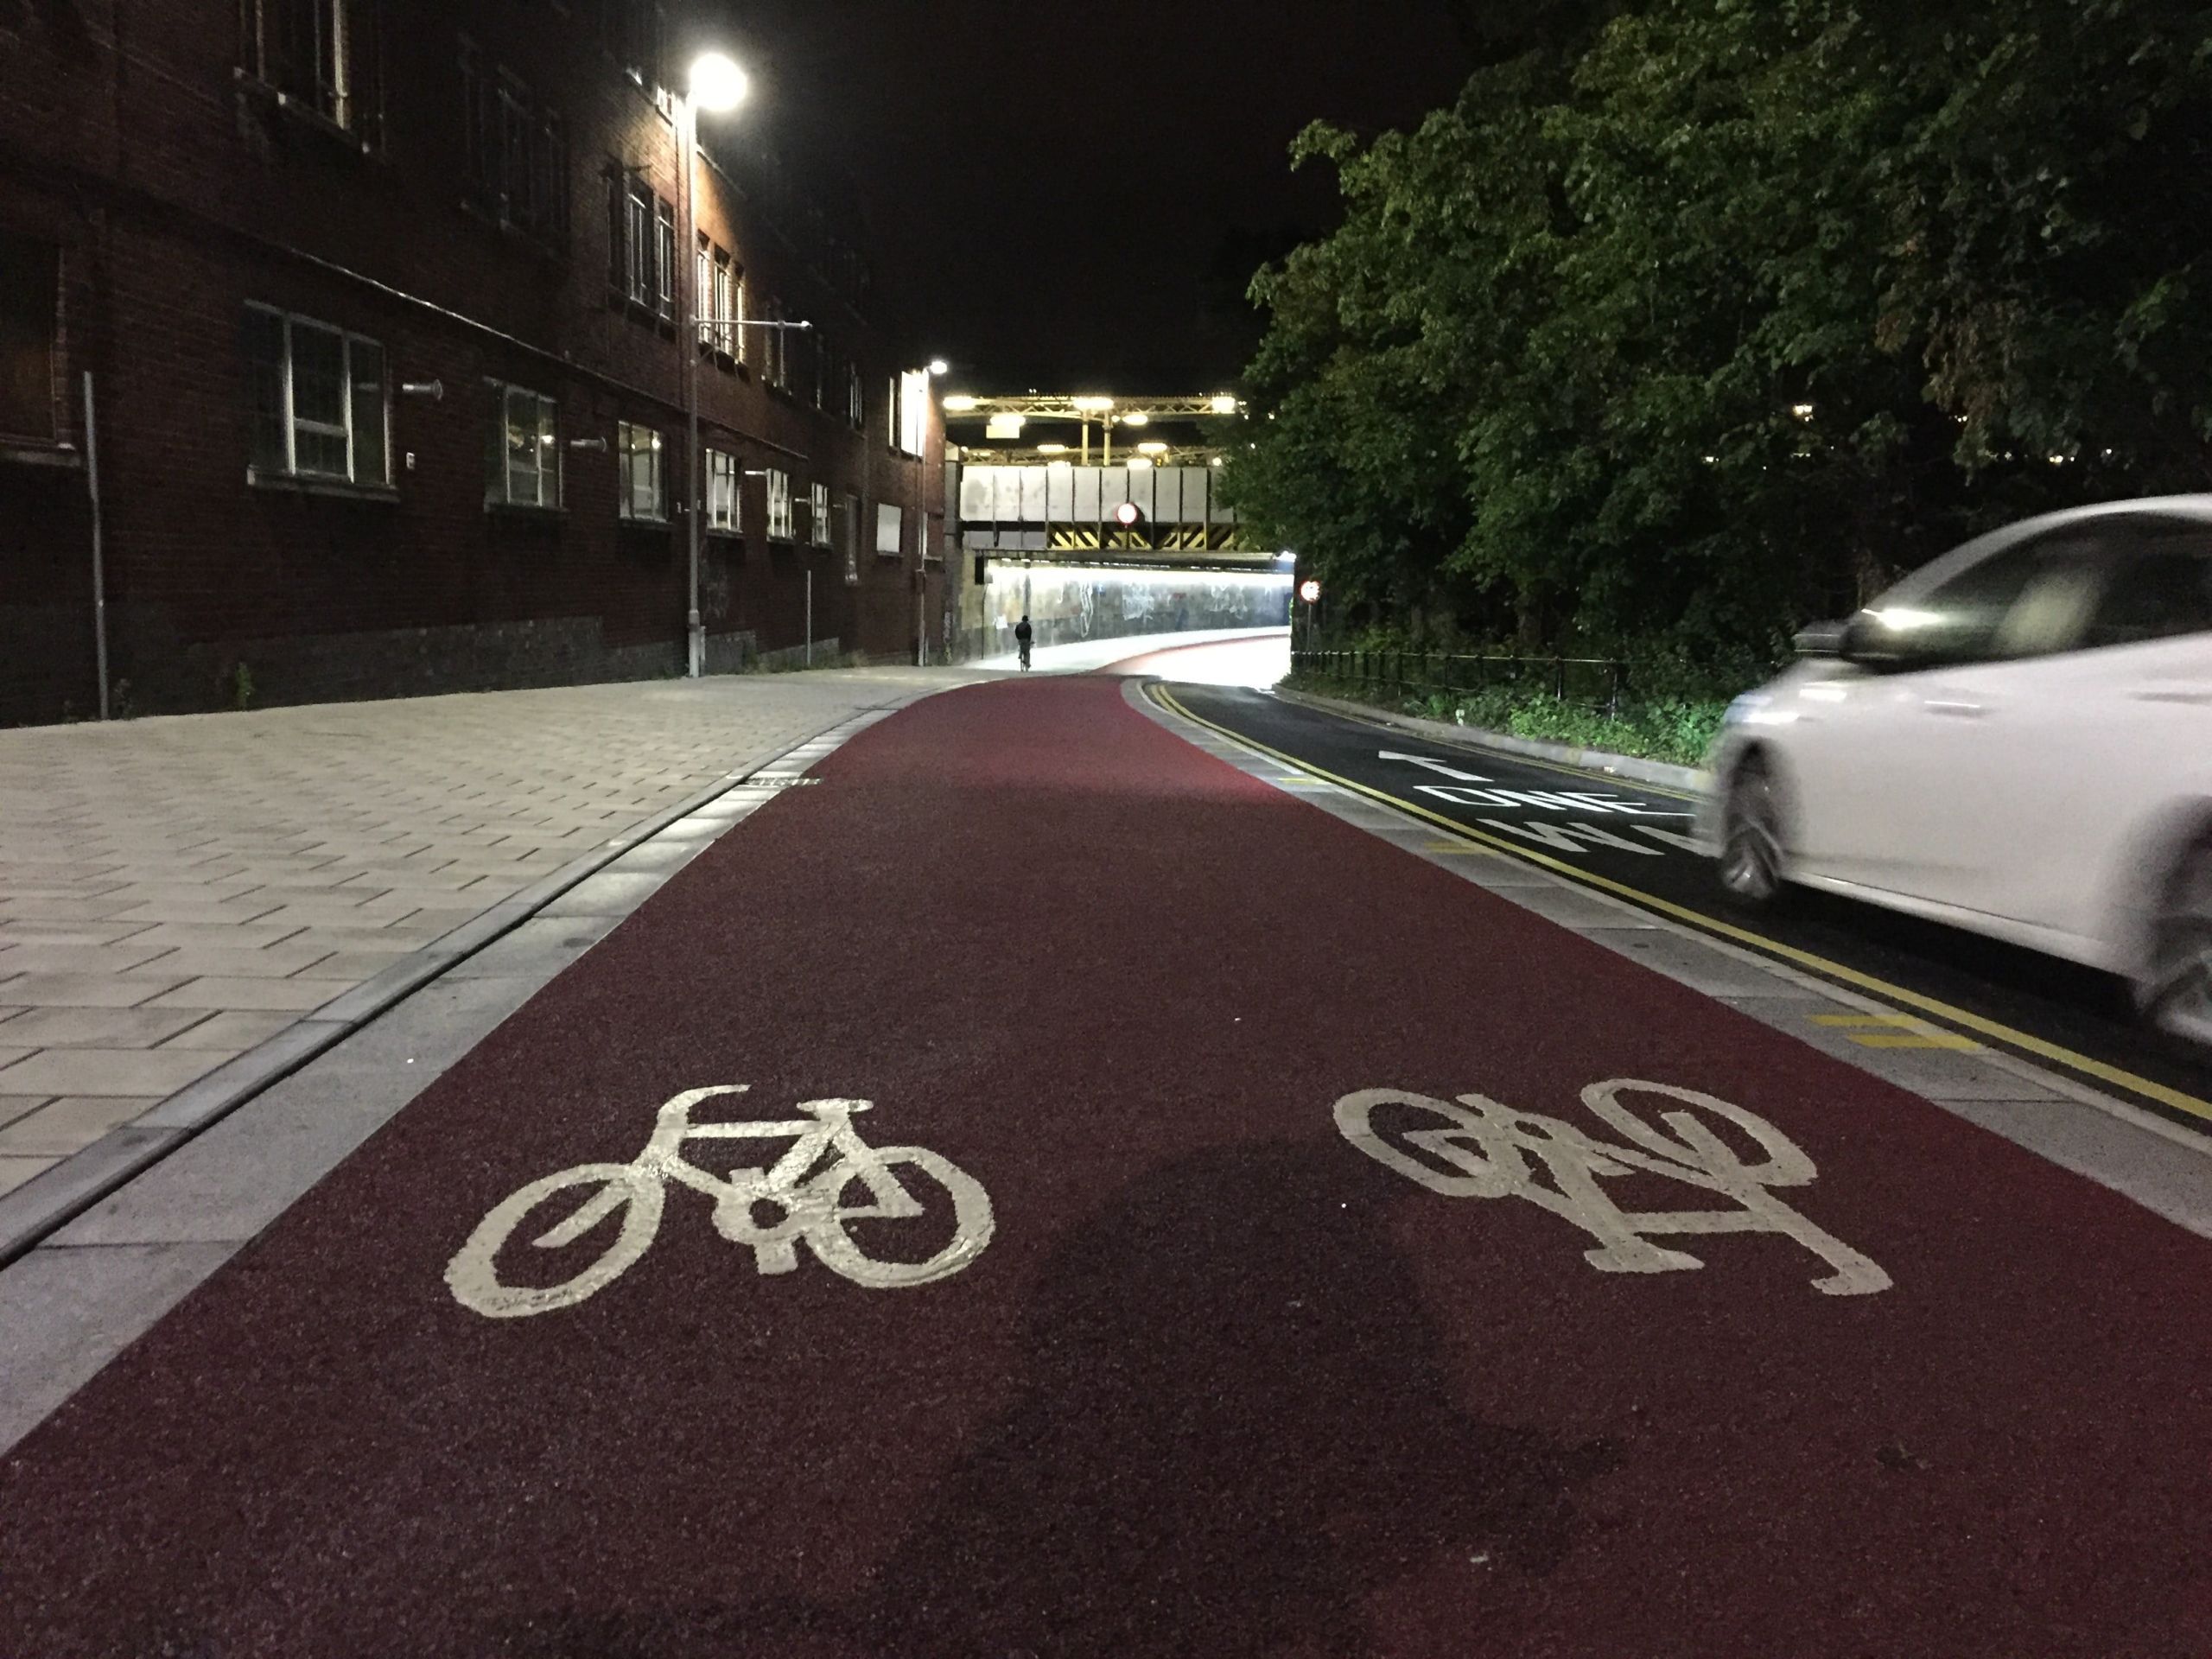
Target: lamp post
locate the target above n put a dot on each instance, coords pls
(719, 84)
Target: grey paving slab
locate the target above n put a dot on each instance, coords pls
(69, 1312)
(25, 907)
(14, 1106)
(246, 961)
(98, 1027)
(263, 996)
(77, 958)
(232, 1033)
(351, 967)
(18, 1171)
(107, 1071)
(85, 990)
(70, 933)
(67, 1125)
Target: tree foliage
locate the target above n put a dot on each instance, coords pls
(1727, 310)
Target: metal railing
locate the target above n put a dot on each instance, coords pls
(1597, 682)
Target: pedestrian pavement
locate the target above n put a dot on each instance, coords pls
(175, 892)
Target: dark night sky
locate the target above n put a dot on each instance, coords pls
(1051, 190)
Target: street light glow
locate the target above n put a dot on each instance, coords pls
(1224, 405)
(959, 404)
(939, 367)
(717, 84)
(1152, 448)
(1138, 419)
(1094, 405)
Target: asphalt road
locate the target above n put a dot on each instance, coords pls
(1636, 839)
(1260, 1242)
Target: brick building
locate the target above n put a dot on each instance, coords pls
(383, 303)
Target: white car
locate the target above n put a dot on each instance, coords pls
(2017, 740)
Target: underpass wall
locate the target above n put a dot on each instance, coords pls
(1069, 605)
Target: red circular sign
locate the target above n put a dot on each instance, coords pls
(1129, 513)
(1311, 592)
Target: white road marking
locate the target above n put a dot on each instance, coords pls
(1433, 766)
(1488, 1147)
(1577, 838)
(810, 1202)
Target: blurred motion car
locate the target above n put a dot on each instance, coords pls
(2017, 740)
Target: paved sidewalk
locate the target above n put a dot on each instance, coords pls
(174, 891)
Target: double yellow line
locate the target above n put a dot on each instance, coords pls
(1963, 1019)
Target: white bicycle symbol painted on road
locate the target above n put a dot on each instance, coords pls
(810, 1207)
(1483, 1150)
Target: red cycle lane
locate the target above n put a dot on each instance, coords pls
(1227, 1370)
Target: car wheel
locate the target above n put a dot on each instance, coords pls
(1750, 836)
(2176, 993)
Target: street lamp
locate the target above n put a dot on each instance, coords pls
(719, 85)
(939, 367)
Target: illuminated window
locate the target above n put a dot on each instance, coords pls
(643, 479)
(725, 494)
(819, 517)
(317, 402)
(890, 530)
(781, 527)
(522, 459)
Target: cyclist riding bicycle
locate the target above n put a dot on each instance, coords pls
(1023, 635)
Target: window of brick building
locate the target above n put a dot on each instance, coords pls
(317, 400)
(912, 405)
(635, 35)
(718, 291)
(665, 260)
(852, 540)
(522, 457)
(890, 530)
(725, 494)
(781, 524)
(729, 308)
(30, 276)
(819, 525)
(323, 55)
(640, 243)
(644, 481)
(856, 398)
(516, 171)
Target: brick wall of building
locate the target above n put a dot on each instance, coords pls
(180, 191)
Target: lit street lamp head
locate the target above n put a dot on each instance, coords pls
(718, 86)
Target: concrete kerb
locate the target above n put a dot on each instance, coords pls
(42, 1206)
(1692, 779)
